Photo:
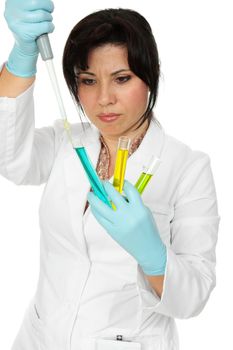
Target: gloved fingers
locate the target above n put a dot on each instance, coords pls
(101, 220)
(100, 207)
(36, 29)
(32, 5)
(114, 195)
(37, 16)
(132, 193)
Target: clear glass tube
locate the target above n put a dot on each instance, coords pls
(56, 88)
(57, 92)
(120, 164)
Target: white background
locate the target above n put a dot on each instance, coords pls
(194, 105)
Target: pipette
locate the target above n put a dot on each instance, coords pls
(121, 161)
(147, 174)
(46, 53)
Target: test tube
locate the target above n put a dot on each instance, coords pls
(91, 173)
(147, 174)
(120, 165)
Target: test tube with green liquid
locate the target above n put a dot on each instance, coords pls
(121, 161)
(147, 174)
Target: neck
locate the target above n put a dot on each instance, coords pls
(112, 140)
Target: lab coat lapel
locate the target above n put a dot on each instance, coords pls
(151, 145)
(92, 144)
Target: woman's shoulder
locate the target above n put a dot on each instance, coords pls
(177, 147)
(174, 149)
(181, 155)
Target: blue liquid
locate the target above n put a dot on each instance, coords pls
(93, 178)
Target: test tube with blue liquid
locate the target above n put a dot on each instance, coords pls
(91, 173)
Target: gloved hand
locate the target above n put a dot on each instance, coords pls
(132, 225)
(27, 19)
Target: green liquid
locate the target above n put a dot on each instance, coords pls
(93, 178)
(142, 182)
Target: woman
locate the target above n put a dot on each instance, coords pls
(109, 279)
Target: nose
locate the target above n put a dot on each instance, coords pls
(106, 95)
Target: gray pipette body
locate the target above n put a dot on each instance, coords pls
(44, 47)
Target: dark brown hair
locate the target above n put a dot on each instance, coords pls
(122, 27)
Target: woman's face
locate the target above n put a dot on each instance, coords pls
(113, 97)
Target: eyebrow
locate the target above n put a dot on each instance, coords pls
(113, 73)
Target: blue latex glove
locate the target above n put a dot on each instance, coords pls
(132, 225)
(27, 19)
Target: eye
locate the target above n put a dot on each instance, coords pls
(86, 81)
(123, 79)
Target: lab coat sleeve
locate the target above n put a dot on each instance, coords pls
(190, 271)
(26, 154)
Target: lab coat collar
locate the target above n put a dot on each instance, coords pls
(91, 140)
(151, 145)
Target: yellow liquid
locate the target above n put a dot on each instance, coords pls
(142, 182)
(120, 167)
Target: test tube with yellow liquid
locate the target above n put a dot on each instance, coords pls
(147, 174)
(121, 161)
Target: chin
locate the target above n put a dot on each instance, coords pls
(111, 130)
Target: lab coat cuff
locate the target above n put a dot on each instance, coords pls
(9, 102)
(159, 299)
(151, 301)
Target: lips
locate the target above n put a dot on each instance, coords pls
(110, 117)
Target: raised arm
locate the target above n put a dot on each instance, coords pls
(13, 86)
(27, 20)
(26, 153)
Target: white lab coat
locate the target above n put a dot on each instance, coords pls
(90, 289)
